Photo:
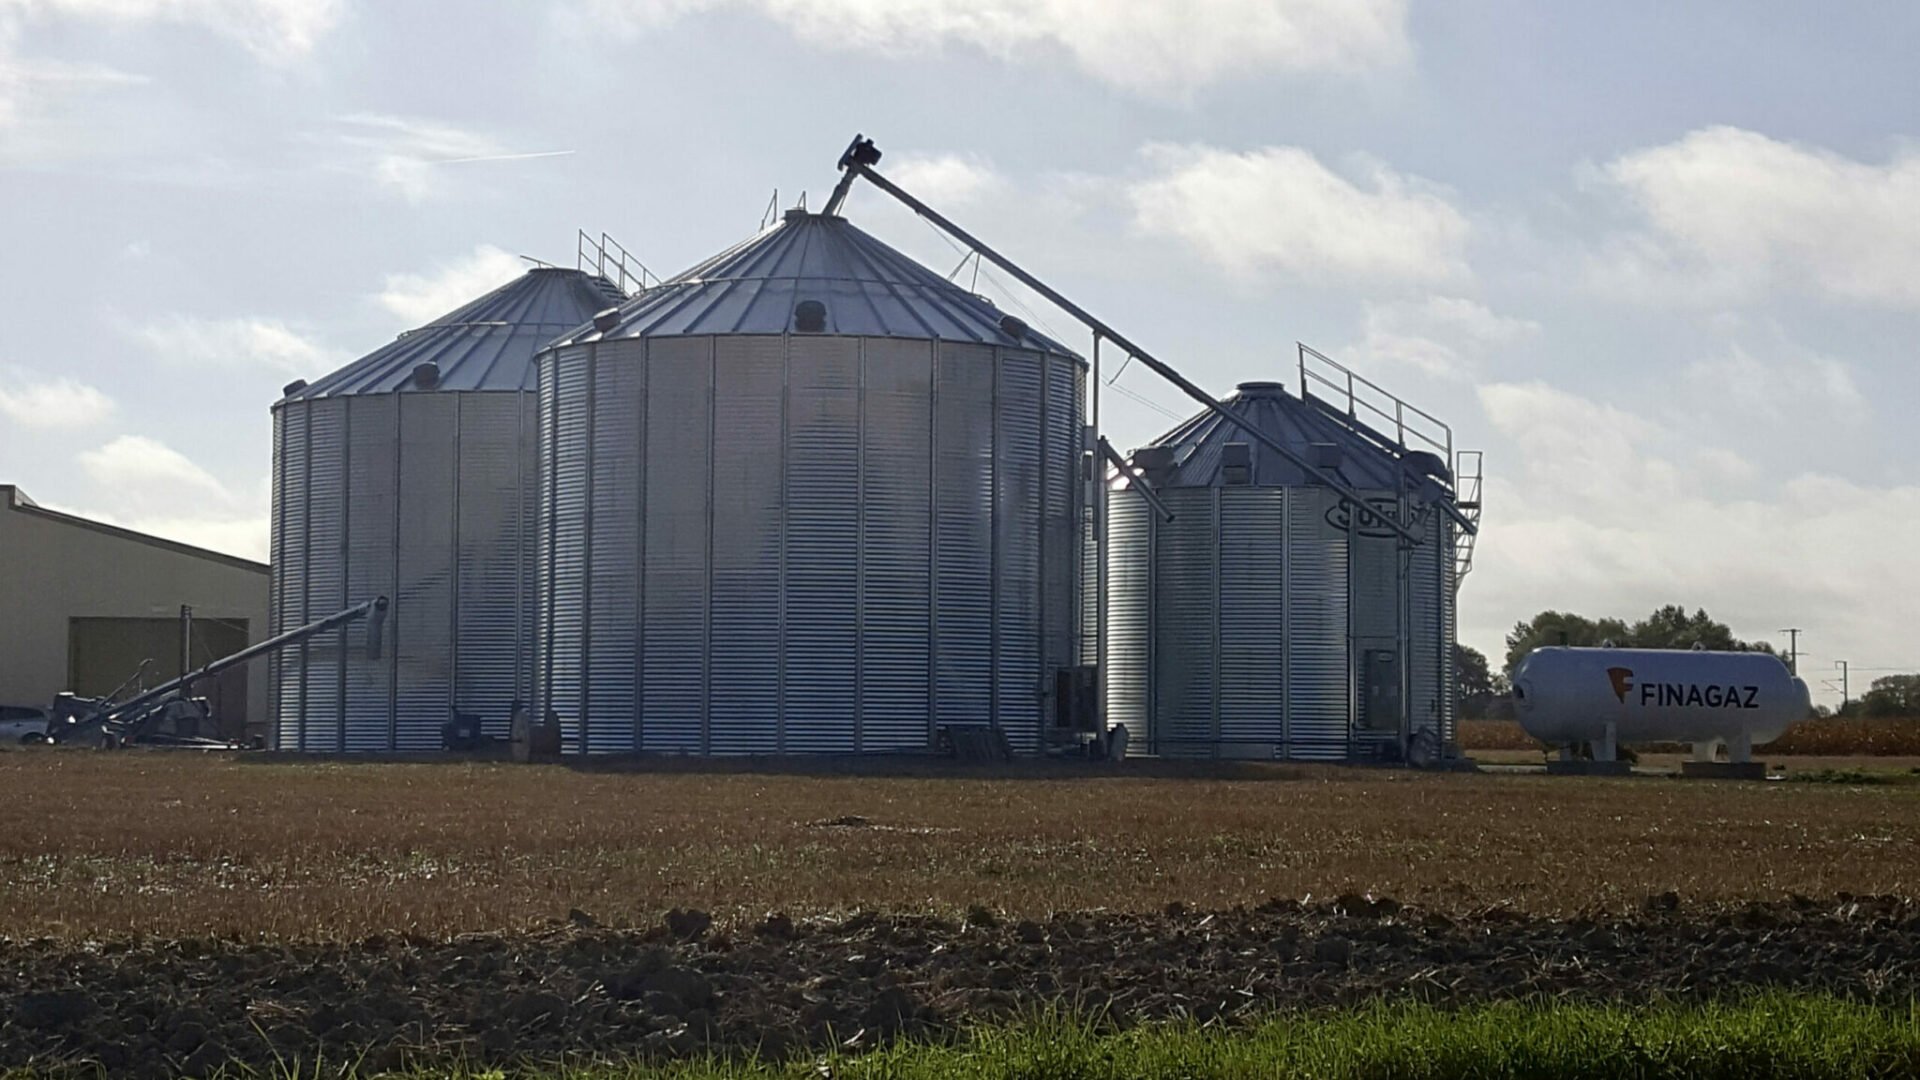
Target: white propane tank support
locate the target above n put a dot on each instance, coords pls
(1607, 747)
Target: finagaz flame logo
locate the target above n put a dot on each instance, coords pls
(1622, 678)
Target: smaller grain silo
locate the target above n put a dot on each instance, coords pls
(1274, 616)
(411, 473)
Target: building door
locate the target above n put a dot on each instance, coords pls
(102, 653)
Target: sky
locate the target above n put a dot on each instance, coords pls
(1660, 261)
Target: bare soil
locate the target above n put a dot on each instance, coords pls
(783, 986)
(100, 847)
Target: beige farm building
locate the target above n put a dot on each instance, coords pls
(82, 603)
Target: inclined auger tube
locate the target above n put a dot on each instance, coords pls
(859, 160)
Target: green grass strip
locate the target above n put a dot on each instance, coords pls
(1771, 1035)
(1750, 1038)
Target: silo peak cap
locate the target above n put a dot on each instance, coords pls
(1261, 388)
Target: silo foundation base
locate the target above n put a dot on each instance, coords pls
(1582, 767)
(1724, 770)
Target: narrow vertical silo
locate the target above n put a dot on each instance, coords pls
(1271, 618)
(807, 497)
(410, 473)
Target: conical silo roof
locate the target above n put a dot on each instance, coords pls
(866, 288)
(486, 344)
(1194, 453)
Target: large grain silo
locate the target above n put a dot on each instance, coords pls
(1272, 617)
(410, 473)
(808, 496)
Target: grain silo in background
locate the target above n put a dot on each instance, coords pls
(1272, 617)
(807, 497)
(410, 473)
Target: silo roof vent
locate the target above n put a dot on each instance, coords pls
(426, 375)
(810, 317)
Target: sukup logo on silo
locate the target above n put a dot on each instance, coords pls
(1373, 521)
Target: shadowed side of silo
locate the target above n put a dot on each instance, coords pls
(411, 473)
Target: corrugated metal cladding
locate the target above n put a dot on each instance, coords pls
(422, 491)
(1241, 628)
(763, 538)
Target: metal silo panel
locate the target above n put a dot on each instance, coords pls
(822, 543)
(895, 545)
(1319, 694)
(275, 571)
(291, 485)
(1060, 510)
(1449, 635)
(1019, 494)
(1253, 536)
(748, 394)
(545, 369)
(1425, 709)
(527, 622)
(1186, 625)
(609, 717)
(490, 558)
(1376, 587)
(373, 464)
(674, 658)
(422, 612)
(1129, 614)
(326, 569)
(564, 530)
(963, 464)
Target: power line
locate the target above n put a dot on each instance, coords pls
(1148, 402)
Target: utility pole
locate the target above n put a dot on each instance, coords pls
(1793, 648)
(1842, 665)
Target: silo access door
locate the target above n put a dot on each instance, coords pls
(1380, 704)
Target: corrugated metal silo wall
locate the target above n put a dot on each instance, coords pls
(422, 498)
(831, 544)
(1253, 632)
(1319, 686)
(1227, 627)
(1186, 625)
(1129, 659)
(1431, 637)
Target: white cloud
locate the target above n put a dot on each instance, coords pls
(1160, 47)
(422, 297)
(1730, 214)
(1439, 336)
(410, 154)
(243, 343)
(147, 472)
(404, 153)
(30, 88)
(244, 536)
(1755, 388)
(1599, 515)
(52, 403)
(1280, 210)
(945, 179)
(273, 30)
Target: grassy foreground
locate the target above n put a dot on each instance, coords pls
(1768, 1035)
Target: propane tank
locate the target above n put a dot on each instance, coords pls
(1605, 696)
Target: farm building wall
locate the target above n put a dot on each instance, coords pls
(70, 585)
